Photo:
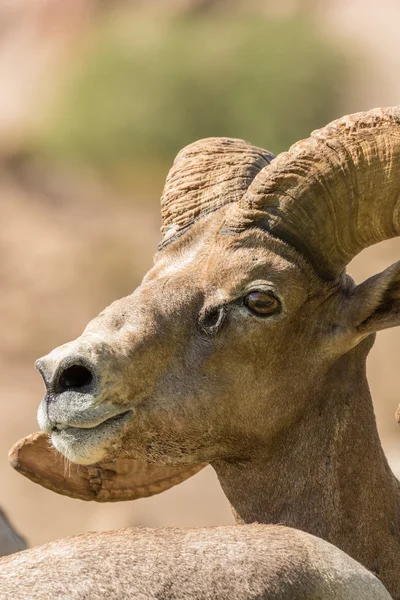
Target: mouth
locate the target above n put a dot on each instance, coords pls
(86, 444)
(110, 421)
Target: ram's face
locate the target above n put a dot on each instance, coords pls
(229, 335)
(197, 363)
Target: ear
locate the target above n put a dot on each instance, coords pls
(375, 304)
(122, 479)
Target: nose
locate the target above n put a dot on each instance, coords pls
(76, 377)
(71, 373)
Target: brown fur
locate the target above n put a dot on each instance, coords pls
(217, 563)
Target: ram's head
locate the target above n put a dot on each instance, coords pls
(247, 306)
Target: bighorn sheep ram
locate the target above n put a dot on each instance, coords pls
(245, 347)
(10, 540)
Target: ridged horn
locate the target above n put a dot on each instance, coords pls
(114, 481)
(335, 193)
(205, 176)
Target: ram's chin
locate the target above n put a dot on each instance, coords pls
(77, 451)
(88, 445)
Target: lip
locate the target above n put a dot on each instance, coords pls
(108, 424)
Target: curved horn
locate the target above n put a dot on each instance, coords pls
(336, 193)
(120, 479)
(205, 176)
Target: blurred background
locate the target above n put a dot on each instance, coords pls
(96, 98)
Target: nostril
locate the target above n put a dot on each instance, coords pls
(74, 377)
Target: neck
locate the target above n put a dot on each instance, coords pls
(327, 474)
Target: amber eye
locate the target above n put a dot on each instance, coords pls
(261, 303)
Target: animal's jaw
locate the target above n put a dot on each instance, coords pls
(88, 445)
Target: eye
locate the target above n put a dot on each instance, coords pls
(261, 303)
